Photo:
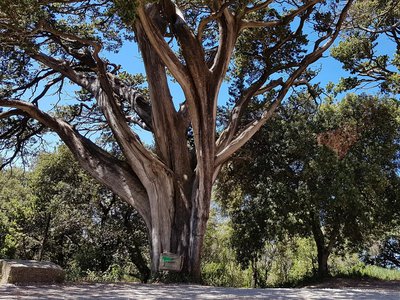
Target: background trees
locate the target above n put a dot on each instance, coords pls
(64, 216)
(384, 253)
(16, 207)
(329, 171)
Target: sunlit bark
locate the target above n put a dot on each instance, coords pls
(170, 187)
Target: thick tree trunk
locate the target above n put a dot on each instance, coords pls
(180, 231)
(323, 255)
(322, 250)
(180, 200)
(324, 244)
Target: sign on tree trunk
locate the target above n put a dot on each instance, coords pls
(170, 262)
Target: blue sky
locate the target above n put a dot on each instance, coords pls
(130, 59)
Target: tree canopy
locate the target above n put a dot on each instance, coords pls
(329, 171)
(52, 48)
(61, 214)
(384, 253)
(370, 48)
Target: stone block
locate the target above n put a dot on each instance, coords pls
(30, 271)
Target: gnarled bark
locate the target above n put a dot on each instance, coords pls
(171, 186)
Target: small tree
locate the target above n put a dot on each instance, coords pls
(305, 185)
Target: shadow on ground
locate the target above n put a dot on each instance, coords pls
(158, 292)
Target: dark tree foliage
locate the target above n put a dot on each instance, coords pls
(76, 223)
(296, 177)
(16, 206)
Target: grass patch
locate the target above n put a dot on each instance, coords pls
(371, 272)
(358, 271)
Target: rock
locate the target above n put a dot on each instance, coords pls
(30, 271)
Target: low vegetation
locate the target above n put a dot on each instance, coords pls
(91, 247)
(288, 263)
(55, 211)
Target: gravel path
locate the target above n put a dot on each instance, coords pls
(158, 292)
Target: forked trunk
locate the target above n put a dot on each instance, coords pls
(324, 246)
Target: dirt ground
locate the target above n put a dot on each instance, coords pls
(343, 289)
(359, 283)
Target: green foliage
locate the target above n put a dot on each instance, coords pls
(379, 273)
(16, 208)
(63, 215)
(284, 182)
(360, 270)
(372, 23)
(126, 9)
(350, 51)
(114, 273)
(385, 252)
(219, 267)
(284, 263)
(279, 263)
(290, 262)
(305, 262)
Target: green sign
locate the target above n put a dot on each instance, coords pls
(170, 262)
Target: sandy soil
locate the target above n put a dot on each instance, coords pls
(359, 283)
(159, 292)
